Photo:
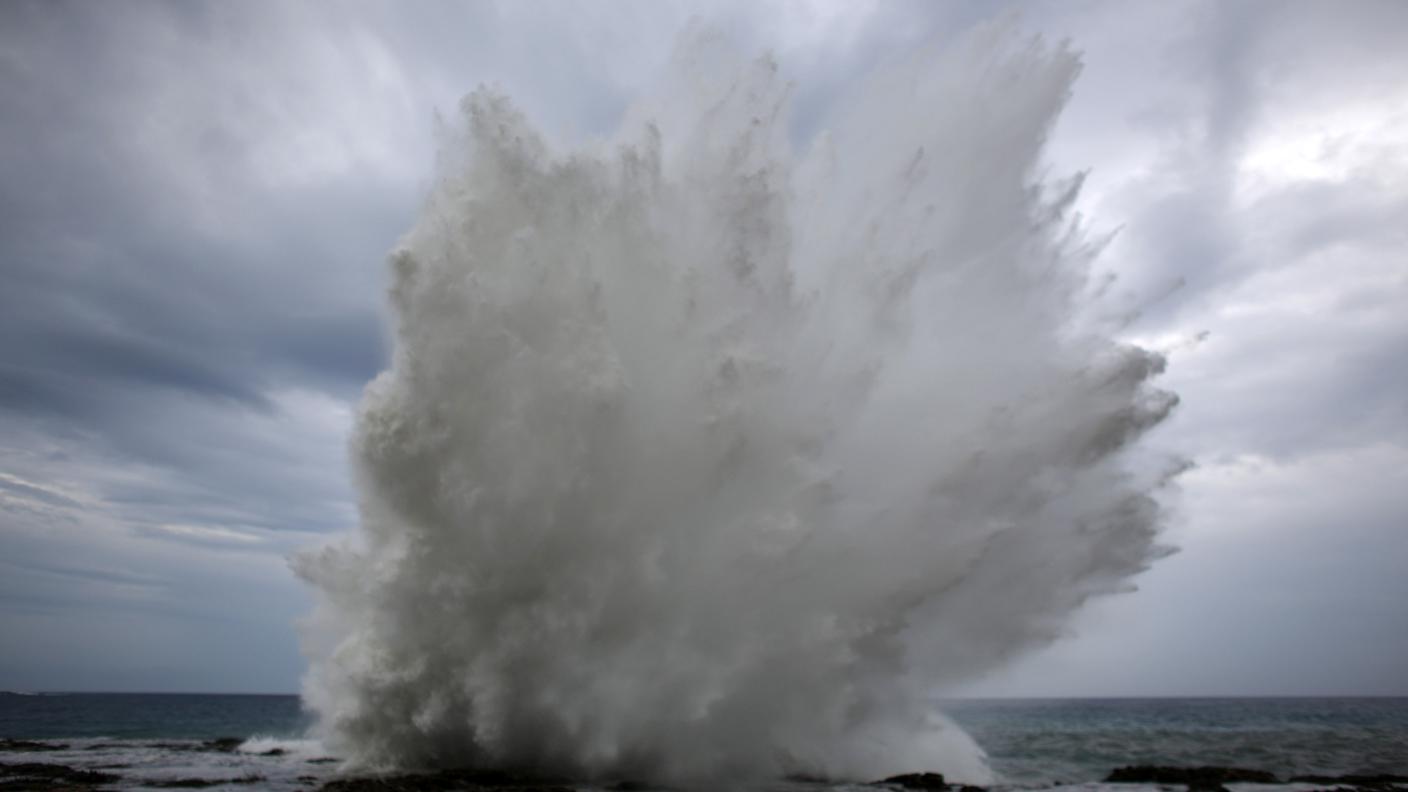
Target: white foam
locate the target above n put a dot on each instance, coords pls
(305, 748)
(699, 457)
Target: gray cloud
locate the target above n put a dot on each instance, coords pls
(195, 199)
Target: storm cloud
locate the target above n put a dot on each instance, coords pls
(196, 199)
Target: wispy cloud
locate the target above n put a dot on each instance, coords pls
(196, 200)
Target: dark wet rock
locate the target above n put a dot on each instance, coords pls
(33, 776)
(445, 781)
(7, 744)
(324, 760)
(916, 781)
(1210, 779)
(1381, 781)
(222, 744)
(201, 783)
(273, 752)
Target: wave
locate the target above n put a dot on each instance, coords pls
(702, 457)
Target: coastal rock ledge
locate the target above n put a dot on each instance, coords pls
(1211, 779)
(924, 781)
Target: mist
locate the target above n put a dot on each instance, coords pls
(704, 453)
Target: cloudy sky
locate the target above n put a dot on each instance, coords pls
(196, 199)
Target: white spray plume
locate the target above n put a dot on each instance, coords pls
(698, 458)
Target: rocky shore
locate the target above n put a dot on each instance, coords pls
(36, 775)
(1213, 779)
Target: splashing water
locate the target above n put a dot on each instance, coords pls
(701, 458)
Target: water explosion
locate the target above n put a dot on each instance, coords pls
(699, 457)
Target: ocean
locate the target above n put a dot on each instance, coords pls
(153, 741)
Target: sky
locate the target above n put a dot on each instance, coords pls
(196, 200)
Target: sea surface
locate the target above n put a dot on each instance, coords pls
(148, 739)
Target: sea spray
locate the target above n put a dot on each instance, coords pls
(699, 458)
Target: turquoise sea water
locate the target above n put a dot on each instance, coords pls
(1079, 740)
(150, 716)
(1032, 743)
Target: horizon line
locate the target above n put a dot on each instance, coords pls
(1085, 697)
